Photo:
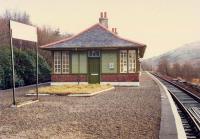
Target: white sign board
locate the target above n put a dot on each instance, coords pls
(23, 31)
(111, 65)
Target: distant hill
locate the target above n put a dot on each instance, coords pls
(187, 53)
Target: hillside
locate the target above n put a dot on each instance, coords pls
(187, 53)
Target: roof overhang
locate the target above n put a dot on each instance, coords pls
(95, 37)
(142, 51)
(141, 48)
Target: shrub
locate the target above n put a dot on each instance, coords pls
(25, 68)
(1, 78)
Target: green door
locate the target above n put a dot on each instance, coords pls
(94, 70)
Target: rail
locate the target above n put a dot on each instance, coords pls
(188, 106)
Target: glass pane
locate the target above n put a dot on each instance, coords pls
(94, 53)
(65, 61)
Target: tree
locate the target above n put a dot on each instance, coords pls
(188, 72)
(176, 70)
(45, 34)
(197, 71)
(21, 17)
(164, 67)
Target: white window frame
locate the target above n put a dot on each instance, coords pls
(65, 62)
(57, 62)
(127, 61)
(123, 61)
(131, 61)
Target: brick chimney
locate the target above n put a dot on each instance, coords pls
(103, 20)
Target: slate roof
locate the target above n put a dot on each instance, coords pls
(96, 36)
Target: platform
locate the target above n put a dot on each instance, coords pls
(171, 126)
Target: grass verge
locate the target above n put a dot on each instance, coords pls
(72, 89)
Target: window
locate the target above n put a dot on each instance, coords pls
(131, 61)
(57, 62)
(94, 53)
(65, 62)
(123, 61)
(127, 61)
(61, 62)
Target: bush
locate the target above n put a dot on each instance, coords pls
(5, 67)
(1, 78)
(44, 68)
(25, 68)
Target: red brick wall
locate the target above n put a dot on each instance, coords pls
(127, 77)
(68, 77)
(130, 77)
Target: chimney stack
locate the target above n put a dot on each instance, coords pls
(103, 20)
(105, 15)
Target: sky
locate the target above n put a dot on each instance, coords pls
(162, 25)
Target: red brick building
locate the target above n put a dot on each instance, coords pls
(96, 55)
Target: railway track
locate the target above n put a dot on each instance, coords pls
(188, 106)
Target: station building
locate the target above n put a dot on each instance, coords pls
(96, 55)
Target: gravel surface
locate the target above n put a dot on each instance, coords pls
(123, 113)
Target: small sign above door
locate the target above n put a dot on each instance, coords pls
(94, 53)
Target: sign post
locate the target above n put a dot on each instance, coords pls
(22, 32)
(37, 70)
(13, 65)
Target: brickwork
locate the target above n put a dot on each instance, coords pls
(68, 78)
(130, 77)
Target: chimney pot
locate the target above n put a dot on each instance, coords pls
(101, 15)
(105, 15)
(113, 30)
(116, 31)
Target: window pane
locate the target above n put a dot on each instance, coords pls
(94, 53)
(131, 61)
(123, 61)
(57, 62)
(65, 62)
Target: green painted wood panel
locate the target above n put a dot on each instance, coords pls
(83, 62)
(74, 62)
(137, 61)
(109, 62)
